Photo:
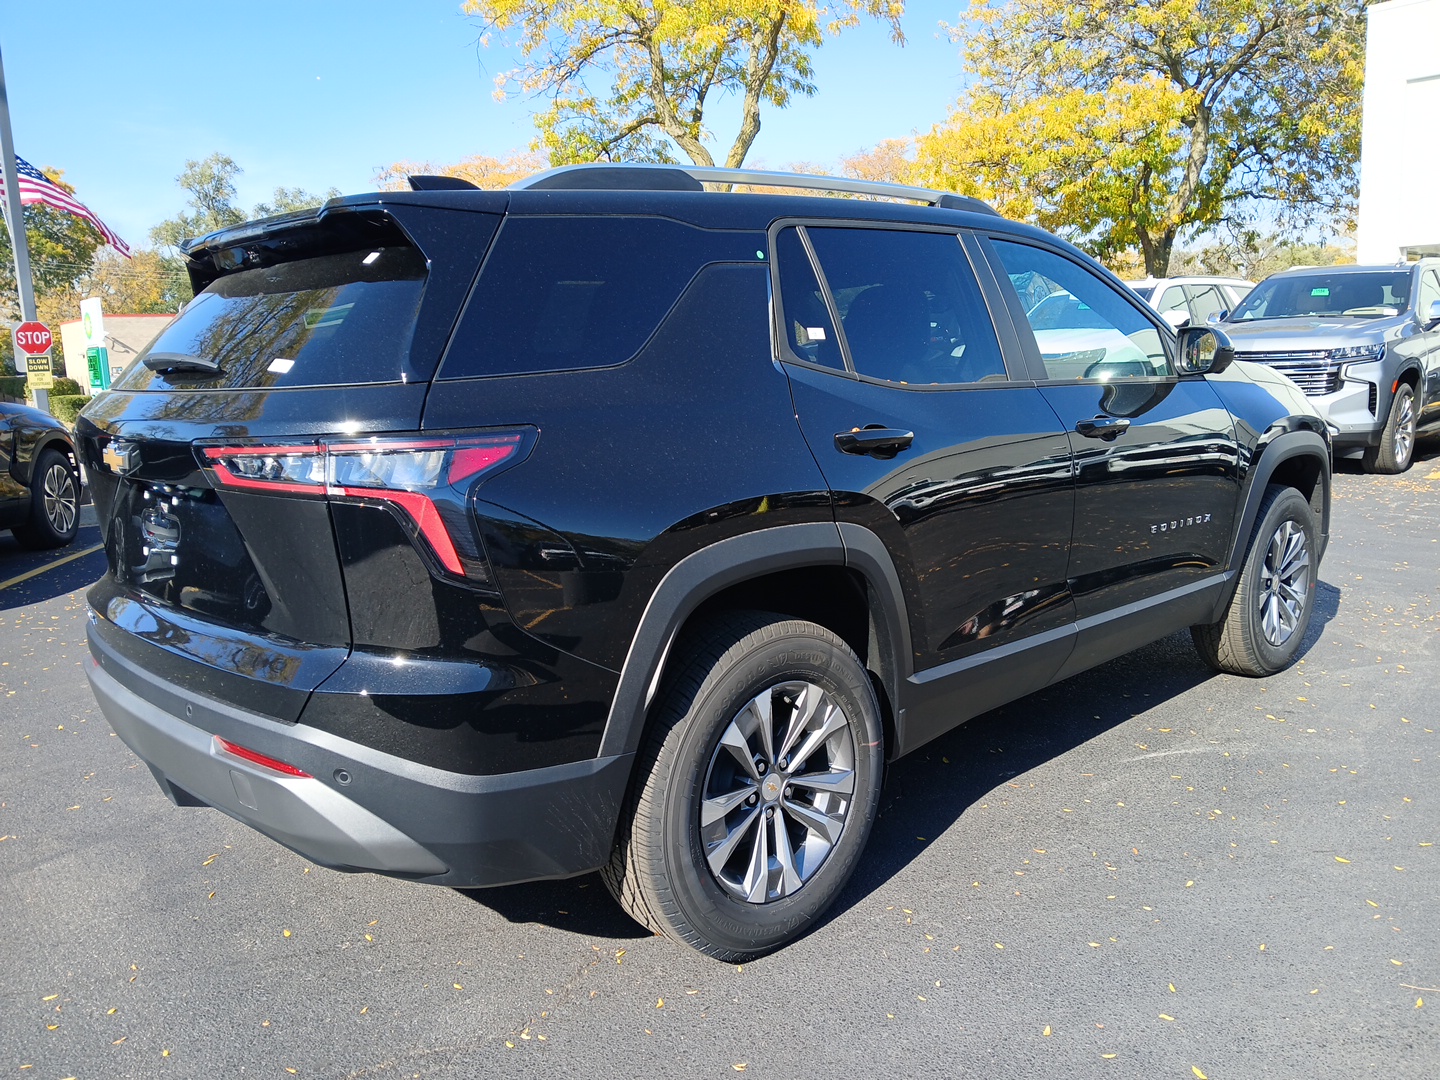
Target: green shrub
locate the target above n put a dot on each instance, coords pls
(12, 386)
(66, 407)
(66, 388)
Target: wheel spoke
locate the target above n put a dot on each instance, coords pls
(719, 807)
(757, 874)
(839, 781)
(833, 722)
(806, 703)
(790, 879)
(762, 708)
(826, 827)
(717, 855)
(734, 741)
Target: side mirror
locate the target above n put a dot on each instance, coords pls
(1204, 350)
(1216, 317)
(1433, 315)
(1176, 318)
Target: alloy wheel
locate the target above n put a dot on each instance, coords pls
(1284, 583)
(778, 792)
(1404, 440)
(61, 503)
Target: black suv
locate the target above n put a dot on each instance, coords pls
(609, 522)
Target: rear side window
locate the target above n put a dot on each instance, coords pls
(323, 321)
(559, 293)
(808, 329)
(910, 307)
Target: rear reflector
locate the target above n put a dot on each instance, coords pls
(257, 758)
(412, 474)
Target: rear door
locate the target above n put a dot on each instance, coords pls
(928, 440)
(1156, 458)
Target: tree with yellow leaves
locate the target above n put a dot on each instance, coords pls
(1126, 124)
(660, 63)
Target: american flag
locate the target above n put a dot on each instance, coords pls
(36, 187)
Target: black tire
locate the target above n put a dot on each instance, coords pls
(661, 871)
(1397, 440)
(54, 503)
(1269, 613)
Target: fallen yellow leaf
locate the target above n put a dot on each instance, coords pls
(287, 933)
(1419, 1002)
(1107, 1057)
(291, 1071)
(120, 1040)
(1172, 988)
(1046, 1032)
(1163, 1016)
(457, 986)
(1196, 1070)
(739, 1066)
(1339, 859)
(1189, 884)
(52, 997)
(659, 1003)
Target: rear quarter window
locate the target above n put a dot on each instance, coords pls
(560, 293)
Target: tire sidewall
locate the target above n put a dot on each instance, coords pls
(1392, 428)
(729, 923)
(1288, 505)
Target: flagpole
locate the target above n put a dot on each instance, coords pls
(15, 219)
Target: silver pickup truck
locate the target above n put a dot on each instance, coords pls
(1363, 342)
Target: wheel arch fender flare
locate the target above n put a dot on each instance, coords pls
(730, 561)
(23, 465)
(1288, 446)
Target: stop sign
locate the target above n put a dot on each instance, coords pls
(33, 338)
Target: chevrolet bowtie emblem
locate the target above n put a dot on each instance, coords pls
(119, 456)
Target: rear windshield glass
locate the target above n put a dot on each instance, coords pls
(1361, 295)
(559, 293)
(323, 321)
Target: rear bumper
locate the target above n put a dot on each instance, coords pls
(393, 816)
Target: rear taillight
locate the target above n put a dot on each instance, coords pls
(418, 476)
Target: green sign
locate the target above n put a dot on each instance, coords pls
(97, 359)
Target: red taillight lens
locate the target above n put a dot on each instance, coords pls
(257, 758)
(408, 473)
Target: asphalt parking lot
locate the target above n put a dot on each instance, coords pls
(1147, 871)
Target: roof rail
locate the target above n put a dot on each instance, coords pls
(615, 177)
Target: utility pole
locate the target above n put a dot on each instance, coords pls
(15, 219)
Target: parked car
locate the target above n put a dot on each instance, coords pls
(611, 523)
(1193, 300)
(1363, 342)
(39, 483)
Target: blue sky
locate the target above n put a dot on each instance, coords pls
(319, 95)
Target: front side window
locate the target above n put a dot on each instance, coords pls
(1084, 328)
(910, 308)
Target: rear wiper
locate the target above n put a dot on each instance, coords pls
(173, 361)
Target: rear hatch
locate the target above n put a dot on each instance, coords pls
(213, 459)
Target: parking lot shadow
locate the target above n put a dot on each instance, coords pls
(56, 575)
(924, 793)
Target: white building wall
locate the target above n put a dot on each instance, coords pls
(1400, 145)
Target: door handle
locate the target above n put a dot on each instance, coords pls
(874, 440)
(1108, 428)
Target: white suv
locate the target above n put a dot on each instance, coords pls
(1191, 299)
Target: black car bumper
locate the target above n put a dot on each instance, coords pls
(358, 808)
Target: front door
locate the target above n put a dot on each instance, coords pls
(1156, 458)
